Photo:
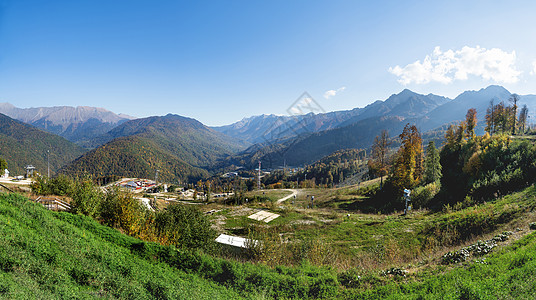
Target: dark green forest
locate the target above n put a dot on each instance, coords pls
(22, 145)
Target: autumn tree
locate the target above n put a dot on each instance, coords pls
(432, 165)
(514, 99)
(499, 118)
(490, 125)
(408, 168)
(379, 154)
(450, 137)
(470, 123)
(523, 115)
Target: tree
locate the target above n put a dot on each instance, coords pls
(490, 124)
(459, 134)
(514, 99)
(408, 169)
(432, 165)
(184, 226)
(379, 153)
(523, 115)
(122, 210)
(3, 165)
(450, 137)
(87, 198)
(470, 122)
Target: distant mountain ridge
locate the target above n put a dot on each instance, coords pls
(77, 124)
(266, 128)
(186, 149)
(22, 144)
(181, 148)
(428, 112)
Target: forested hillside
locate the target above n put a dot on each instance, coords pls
(311, 147)
(22, 145)
(134, 156)
(186, 138)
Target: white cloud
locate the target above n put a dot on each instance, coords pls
(533, 71)
(332, 93)
(444, 67)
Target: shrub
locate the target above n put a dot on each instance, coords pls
(122, 210)
(87, 199)
(185, 226)
(422, 195)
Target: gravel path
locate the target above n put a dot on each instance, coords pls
(294, 193)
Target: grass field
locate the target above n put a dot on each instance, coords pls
(373, 241)
(45, 254)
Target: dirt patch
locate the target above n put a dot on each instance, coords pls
(244, 211)
(218, 223)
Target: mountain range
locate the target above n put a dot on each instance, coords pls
(185, 149)
(266, 128)
(181, 148)
(22, 144)
(77, 124)
(428, 112)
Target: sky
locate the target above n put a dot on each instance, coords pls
(221, 61)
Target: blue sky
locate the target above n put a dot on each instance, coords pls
(220, 61)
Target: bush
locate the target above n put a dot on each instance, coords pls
(60, 185)
(185, 226)
(422, 195)
(87, 199)
(122, 210)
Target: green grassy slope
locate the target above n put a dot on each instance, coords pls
(60, 255)
(506, 274)
(45, 255)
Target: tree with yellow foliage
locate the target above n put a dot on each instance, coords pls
(408, 165)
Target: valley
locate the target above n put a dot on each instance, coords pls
(267, 150)
(325, 207)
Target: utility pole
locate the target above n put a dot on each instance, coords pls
(156, 177)
(48, 162)
(259, 177)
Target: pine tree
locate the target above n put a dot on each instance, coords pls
(432, 165)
